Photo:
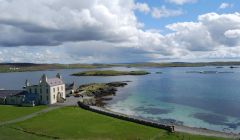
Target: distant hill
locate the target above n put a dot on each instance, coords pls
(20, 67)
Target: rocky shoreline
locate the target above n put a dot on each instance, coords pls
(101, 91)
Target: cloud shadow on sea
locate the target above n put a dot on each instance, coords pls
(153, 111)
(215, 119)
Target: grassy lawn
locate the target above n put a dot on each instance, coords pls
(76, 123)
(12, 134)
(8, 112)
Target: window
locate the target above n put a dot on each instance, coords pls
(62, 88)
(41, 90)
(54, 96)
(47, 98)
(47, 90)
(58, 89)
(35, 90)
(41, 97)
(30, 90)
(53, 89)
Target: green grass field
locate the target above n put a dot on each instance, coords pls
(76, 123)
(8, 112)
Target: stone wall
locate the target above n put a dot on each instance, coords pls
(169, 128)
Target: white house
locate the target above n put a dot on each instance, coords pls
(49, 90)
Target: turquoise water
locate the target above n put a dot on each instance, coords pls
(198, 100)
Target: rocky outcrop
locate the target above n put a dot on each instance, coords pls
(100, 90)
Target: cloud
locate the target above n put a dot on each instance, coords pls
(56, 21)
(232, 33)
(164, 12)
(210, 33)
(101, 31)
(181, 2)
(225, 5)
(142, 7)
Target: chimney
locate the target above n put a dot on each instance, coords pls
(59, 76)
(44, 78)
(27, 83)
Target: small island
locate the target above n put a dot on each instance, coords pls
(159, 72)
(109, 73)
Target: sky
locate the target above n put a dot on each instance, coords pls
(119, 31)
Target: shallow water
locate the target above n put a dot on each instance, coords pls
(199, 100)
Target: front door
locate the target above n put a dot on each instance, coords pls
(59, 97)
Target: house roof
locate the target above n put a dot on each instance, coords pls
(70, 86)
(6, 93)
(54, 82)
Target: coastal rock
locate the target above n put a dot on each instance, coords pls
(100, 90)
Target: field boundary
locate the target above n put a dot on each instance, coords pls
(169, 128)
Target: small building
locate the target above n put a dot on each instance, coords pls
(17, 97)
(48, 90)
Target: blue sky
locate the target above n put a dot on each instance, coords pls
(191, 11)
(117, 31)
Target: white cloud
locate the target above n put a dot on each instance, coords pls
(142, 7)
(212, 32)
(164, 12)
(58, 21)
(232, 33)
(225, 5)
(51, 31)
(181, 2)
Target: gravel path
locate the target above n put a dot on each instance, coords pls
(30, 115)
(206, 132)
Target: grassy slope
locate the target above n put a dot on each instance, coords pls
(76, 123)
(8, 112)
(109, 73)
(12, 134)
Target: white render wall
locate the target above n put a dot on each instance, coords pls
(54, 93)
(51, 96)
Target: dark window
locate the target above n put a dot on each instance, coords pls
(41, 90)
(54, 96)
(47, 90)
(35, 90)
(58, 89)
(47, 98)
(41, 97)
(53, 89)
(30, 90)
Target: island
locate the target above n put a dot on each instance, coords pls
(109, 73)
(159, 72)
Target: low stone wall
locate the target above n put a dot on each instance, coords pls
(169, 128)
